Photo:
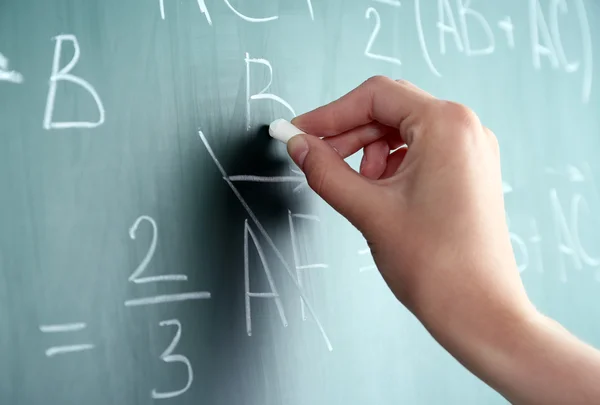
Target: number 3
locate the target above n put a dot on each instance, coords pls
(169, 357)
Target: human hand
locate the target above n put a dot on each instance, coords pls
(433, 215)
(432, 212)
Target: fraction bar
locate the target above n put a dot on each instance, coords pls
(162, 299)
(262, 295)
(53, 351)
(65, 327)
(263, 179)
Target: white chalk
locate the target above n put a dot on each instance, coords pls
(283, 130)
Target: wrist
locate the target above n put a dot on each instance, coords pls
(489, 335)
(486, 333)
(476, 313)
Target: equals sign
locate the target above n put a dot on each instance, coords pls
(65, 328)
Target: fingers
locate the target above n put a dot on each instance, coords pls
(374, 160)
(354, 140)
(378, 99)
(394, 160)
(331, 178)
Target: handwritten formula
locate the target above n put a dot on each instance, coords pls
(556, 37)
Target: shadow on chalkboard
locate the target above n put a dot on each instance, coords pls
(232, 355)
(256, 155)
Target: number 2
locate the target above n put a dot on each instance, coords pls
(135, 276)
(368, 53)
(169, 357)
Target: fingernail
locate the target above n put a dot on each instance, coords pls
(298, 149)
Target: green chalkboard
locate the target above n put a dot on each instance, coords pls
(157, 247)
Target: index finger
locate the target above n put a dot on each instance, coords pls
(378, 99)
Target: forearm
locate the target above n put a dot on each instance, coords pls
(529, 360)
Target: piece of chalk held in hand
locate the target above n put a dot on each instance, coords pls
(283, 130)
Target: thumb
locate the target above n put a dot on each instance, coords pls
(332, 178)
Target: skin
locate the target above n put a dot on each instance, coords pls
(433, 214)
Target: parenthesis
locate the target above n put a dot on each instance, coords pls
(422, 41)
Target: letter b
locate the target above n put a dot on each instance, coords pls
(64, 74)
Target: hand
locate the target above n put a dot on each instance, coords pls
(432, 212)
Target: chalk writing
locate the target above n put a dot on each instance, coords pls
(301, 267)
(201, 5)
(163, 299)
(168, 357)
(135, 276)
(273, 294)
(459, 25)
(564, 236)
(422, 41)
(447, 26)
(560, 5)
(507, 26)
(588, 59)
(310, 9)
(393, 3)
(368, 53)
(266, 236)
(575, 175)
(268, 179)
(251, 19)
(556, 50)
(7, 75)
(64, 74)
(65, 328)
(261, 95)
(579, 203)
(301, 186)
(465, 10)
(540, 32)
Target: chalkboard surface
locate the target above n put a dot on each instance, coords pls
(157, 247)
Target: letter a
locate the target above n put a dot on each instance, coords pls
(444, 10)
(538, 26)
(64, 74)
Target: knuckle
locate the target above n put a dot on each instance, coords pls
(460, 114)
(456, 122)
(377, 81)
